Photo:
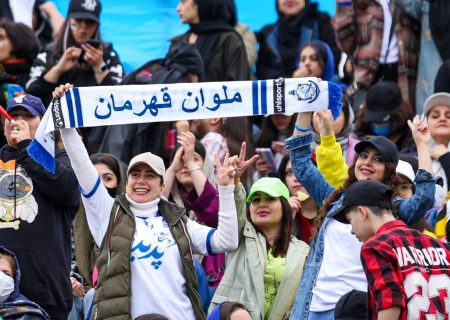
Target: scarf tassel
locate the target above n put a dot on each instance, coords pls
(334, 99)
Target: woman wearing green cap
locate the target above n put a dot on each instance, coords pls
(265, 270)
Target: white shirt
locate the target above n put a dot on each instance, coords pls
(341, 270)
(22, 11)
(393, 46)
(157, 278)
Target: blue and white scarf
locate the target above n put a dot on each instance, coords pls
(100, 106)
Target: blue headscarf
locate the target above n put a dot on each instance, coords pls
(328, 72)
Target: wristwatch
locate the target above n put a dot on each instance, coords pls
(102, 68)
(194, 168)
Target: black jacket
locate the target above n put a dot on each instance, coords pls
(40, 231)
(229, 62)
(39, 87)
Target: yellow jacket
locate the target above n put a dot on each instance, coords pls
(331, 162)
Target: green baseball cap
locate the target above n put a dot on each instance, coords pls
(272, 186)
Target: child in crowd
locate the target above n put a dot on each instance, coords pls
(408, 272)
(14, 305)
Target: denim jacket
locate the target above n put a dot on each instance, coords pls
(411, 211)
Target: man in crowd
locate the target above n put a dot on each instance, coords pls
(407, 272)
(36, 211)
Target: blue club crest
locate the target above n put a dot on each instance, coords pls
(308, 92)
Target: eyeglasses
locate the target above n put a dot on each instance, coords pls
(256, 200)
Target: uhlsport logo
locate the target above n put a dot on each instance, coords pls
(58, 119)
(308, 92)
(278, 95)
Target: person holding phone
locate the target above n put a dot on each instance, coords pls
(78, 56)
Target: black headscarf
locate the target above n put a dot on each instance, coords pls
(289, 35)
(216, 16)
(181, 60)
(440, 26)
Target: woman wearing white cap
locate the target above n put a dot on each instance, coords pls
(146, 243)
(437, 113)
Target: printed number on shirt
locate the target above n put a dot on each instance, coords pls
(420, 291)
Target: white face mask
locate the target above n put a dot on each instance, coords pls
(6, 286)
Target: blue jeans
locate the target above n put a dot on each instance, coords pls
(325, 315)
(88, 303)
(77, 309)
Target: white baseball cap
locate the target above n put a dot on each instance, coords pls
(440, 98)
(404, 168)
(153, 161)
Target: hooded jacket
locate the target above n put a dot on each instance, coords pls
(17, 306)
(39, 230)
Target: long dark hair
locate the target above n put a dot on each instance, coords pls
(25, 45)
(65, 40)
(269, 132)
(389, 178)
(281, 245)
(109, 161)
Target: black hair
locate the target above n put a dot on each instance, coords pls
(281, 245)
(109, 161)
(374, 209)
(24, 42)
(227, 309)
(65, 40)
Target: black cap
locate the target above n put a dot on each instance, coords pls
(352, 306)
(85, 9)
(386, 148)
(382, 100)
(364, 193)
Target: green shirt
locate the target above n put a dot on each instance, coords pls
(272, 278)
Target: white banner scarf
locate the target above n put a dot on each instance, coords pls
(113, 105)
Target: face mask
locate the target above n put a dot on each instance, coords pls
(6, 286)
(381, 129)
(112, 192)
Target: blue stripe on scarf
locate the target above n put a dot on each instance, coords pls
(38, 153)
(255, 97)
(76, 95)
(70, 109)
(264, 97)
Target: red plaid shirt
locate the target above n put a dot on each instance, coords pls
(407, 269)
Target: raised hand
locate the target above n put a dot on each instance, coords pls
(242, 164)
(68, 60)
(325, 122)
(177, 163)
(20, 130)
(420, 131)
(226, 172)
(187, 141)
(93, 56)
(61, 90)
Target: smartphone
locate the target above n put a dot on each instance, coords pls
(267, 155)
(93, 42)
